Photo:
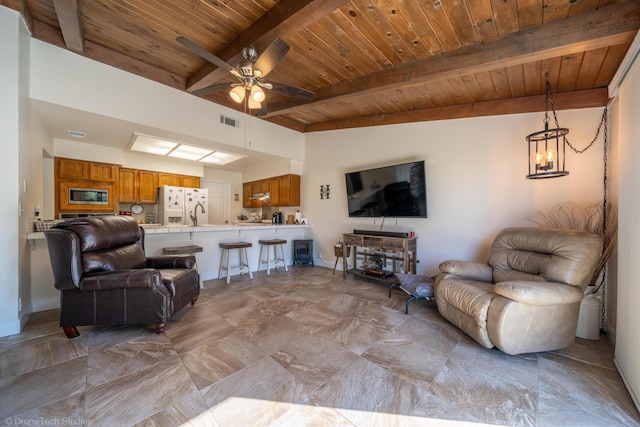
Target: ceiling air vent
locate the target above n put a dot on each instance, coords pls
(229, 121)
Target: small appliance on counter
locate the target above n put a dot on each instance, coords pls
(277, 218)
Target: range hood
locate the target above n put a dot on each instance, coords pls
(259, 196)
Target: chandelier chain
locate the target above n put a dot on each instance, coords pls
(605, 202)
(603, 126)
(555, 118)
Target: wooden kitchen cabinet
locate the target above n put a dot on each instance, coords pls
(274, 191)
(247, 190)
(283, 191)
(169, 179)
(103, 172)
(255, 187)
(178, 180)
(289, 190)
(70, 169)
(138, 186)
(128, 186)
(190, 181)
(148, 187)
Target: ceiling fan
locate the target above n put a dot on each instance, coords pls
(250, 72)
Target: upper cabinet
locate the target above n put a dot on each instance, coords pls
(128, 187)
(103, 172)
(246, 195)
(283, 191)
(289, 189)
(71, 169)
(189, 181)
(138, 186)
(148, 187)
(274, 191)
(176, 180)
(169, 179)
(124, 185)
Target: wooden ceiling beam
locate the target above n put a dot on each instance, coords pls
(284, 18)
(70, 20)
(609, 25)
(563, 101)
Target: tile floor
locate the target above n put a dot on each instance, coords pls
(304, 348)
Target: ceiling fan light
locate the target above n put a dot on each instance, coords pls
(237, 94)
(257, 94)
(254, 105)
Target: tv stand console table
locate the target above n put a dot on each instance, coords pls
(396, 249)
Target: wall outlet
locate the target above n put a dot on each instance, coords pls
(19, 304)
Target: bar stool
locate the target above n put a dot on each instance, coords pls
(185, 250)
(275, 243)
(225, 256)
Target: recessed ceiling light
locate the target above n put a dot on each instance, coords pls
(76, 134)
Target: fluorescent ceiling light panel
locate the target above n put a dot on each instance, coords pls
(164, 147)
(222, 158)
(151, 145)
(189, 152)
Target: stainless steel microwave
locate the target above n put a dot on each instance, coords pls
(88, 196)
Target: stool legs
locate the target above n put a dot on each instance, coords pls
(284, 262)
(229, 266)
(275, 258)
(225, 263)
(246, 260)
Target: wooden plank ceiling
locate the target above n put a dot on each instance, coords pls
(369, 62)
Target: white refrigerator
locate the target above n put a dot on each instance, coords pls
(177, 205)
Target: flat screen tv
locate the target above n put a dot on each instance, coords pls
(392, 191)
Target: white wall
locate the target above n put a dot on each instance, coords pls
(475, 179)
(627, 352)
(64, 78)
(9, 129)
(14, 90)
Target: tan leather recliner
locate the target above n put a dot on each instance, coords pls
(527, 297)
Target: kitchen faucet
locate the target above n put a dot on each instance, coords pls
(194, 216)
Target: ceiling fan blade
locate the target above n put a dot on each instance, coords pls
(212, 89)
(271, 56)
(205, 54)
(292, 91)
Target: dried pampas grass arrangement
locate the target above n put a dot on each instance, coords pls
(591, 217)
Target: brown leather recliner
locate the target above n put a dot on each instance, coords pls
(104, 278)
(527, 297)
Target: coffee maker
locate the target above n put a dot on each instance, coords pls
(277, 218)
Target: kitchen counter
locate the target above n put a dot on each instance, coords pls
(203, 228)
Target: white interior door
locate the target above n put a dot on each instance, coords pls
(219, 211)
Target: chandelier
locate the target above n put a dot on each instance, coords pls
(547, 147)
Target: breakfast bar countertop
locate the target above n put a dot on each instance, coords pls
(203, 228)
